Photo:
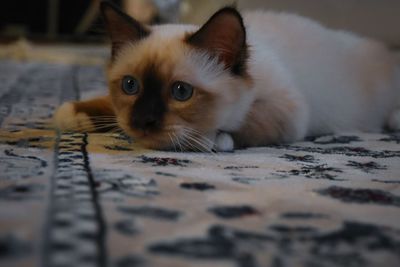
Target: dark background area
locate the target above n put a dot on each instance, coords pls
(33, 20)
(37, 21)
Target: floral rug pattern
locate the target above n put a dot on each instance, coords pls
(76, 199)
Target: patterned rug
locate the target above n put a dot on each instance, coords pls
(85, 200)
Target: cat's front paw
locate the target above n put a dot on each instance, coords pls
(224, 142)
(67, 119)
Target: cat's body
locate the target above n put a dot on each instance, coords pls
(347, 83)
(278, 78)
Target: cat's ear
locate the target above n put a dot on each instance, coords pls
(122, 28)
(224, 35)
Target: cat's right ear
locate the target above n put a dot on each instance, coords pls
(121, 28)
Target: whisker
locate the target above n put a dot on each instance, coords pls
(95, 128)
(116, 129)
(90, 123)
(111, 120)
(196, 143)
(193, 138)
(104, 116)
(199, 136)
(202, 140)
(192, 146)
(206, 144)
(204, 147)
(96, 124)
(179, 143)
(172, 141)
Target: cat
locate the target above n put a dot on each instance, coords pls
(238, 81)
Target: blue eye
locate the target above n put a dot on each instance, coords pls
(130, 85)
(182, 91)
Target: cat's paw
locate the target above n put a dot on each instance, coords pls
(67, 119)
(224, 142)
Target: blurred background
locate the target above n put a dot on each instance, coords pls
(78, 22)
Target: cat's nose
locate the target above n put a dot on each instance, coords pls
(148, 113)
(145, 123)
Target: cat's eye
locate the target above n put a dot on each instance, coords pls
(130, 85)
(182, 91)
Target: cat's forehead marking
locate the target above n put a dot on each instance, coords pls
(156, 54)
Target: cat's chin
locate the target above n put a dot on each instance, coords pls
(151, 144)
(173, 141)
(156, 141)
(164, 143)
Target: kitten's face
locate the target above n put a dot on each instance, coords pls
(168, 92)
(168, 97)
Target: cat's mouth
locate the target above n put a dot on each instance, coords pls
(155, 139)
(176, 138)
(151, 139)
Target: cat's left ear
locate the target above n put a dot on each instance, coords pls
(122, 28)
(224, 36)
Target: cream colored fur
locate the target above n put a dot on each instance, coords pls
(67, 119)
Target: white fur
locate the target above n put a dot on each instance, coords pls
(224, 142)
(329, 70)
